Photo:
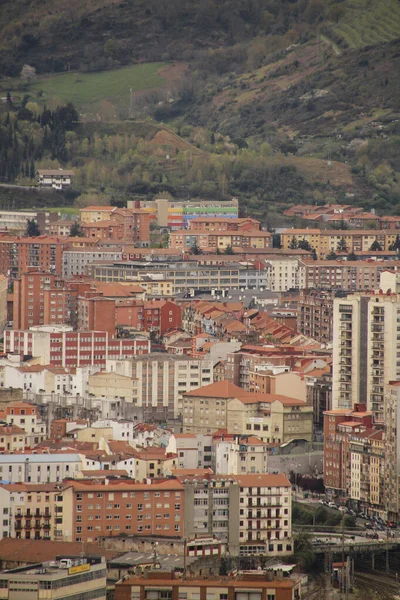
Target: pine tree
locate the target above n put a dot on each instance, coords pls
(32, 228)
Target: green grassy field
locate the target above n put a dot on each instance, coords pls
(369, 22)
(89, 88)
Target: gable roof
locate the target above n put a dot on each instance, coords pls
(220, 389)
(227, 390)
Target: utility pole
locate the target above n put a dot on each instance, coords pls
(387, 549)
(184, 557)
(343, 569)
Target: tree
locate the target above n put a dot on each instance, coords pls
(351, 256)
(331, 256)
(229, 250)
(342, 246)
(32, 228)
(293, 244)
(76, 230)
(305, 245)
(396, 244)
(375, 246)
(28, 73)
(314, 254)
(196, 250)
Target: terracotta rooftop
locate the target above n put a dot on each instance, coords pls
(227, 390)
(36, 551)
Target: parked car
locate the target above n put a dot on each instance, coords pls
(391, 524)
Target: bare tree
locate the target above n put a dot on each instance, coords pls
(28, 73)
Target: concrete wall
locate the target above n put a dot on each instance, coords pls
(299, 463)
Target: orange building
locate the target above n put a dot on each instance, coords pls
(96, 312)
(220, 225)
(95, 509)
(104, 230)
(242, 586)
(136, 224)
(17, 254)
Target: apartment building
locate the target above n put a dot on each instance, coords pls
(92, 509)
(57, 179)
(3, 302)
(39, 379)
(15, 221)
(162, 379)
(61, 228)
(285, 274)
(104, 230)
(250, 514)
(31, 511)
(25, 416)
(244, 587)
(234, 454)
(326, 241)
(176, 214)
(13, 439)
(315, 315)
(62, 347)
(366, 349)
(129, 224)
(28, 302)
(35, 467)
(183, 276)
(111, 384)
(365, 471)
(75, 261)
(392, 450)
(17, 254)
(79, 577)
(275, 419)
(339, 424)
(348, 276)
(219, 240)
(218, 224)
(95, 214)
(194, 450)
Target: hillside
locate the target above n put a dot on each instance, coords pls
(273, 101)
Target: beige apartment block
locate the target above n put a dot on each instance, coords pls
(366, 349)
(274, 418)
(110, 385)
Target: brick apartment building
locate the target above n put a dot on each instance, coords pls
(28, 301)
(315, 315)
(164, 586)
(62, 347)
(338, 423)
(104, 230)
(345, 275)
(92, 510)
(129, 224)
(17, 254)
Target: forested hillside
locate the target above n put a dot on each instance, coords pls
(273, 101)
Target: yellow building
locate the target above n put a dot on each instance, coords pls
(108, 384)
(32, 510)
(326, 241)
(154, 462)
(94, 214)
(273, 418)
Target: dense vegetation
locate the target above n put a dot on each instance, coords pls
(273, 101)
